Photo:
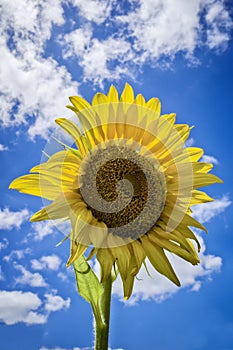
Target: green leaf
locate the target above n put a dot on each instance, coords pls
(89, 286)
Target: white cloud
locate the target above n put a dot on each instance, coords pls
(95, 56)
(27, 307)
(12, 219)
(51, 262)
(62, 276)
(28, 18)
(219, 24)
(165, 27)
(30, 83)
(143, 34)
(2, 278)
(35, 87)
(29, 278)
(206, 211)
(3, 148)
(94, 10)
(55, 303)
(189, 142)
(35, 318)
(17, 254)
(17, 306)
(40, 230)
(209, 159)
(4, 244)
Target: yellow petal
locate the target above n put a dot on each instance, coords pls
(113, 94)
(138, 252)
(80, 238)
(72, 129)
(159, 260)
(189, 154)
(60, 208)
(140, 100)
(199, 197)
(128, 286)
(127, 94)
(101, 107)
(185, 231)
(76, 250)
(190, 221)
(36, 185)
(79, 103)
(188, 255)
(80, 218)
(84, 112)
(61, 157)
(98, 232)
(183, 130)
(195, 153)
(122, 257)
(154, 104)
(99, 98)
(174, 236)
(53, 211)
(202, 167)
(106, 261)
(201, 180)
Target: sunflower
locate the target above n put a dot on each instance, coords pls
(127, 185)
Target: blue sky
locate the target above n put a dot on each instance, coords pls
(178, 51)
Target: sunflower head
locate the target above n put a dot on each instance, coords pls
(127, 185)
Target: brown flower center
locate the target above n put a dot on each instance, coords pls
(123, 189)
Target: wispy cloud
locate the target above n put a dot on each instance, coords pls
(189, 142)
(3, 148)
(55, 303)
(149, 26)
(207, 211)
(17, 254)
(31, 83)
(40, 230)
(51, 262)
(142, 34)
(87, 50)
(4, 244)
(31, 89)
(96, 11)
(209, 159)
(29, 278)
(12, 219)
(218, 25)
(2, 277)
(35, 87)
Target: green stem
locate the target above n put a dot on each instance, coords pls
(102, 329)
